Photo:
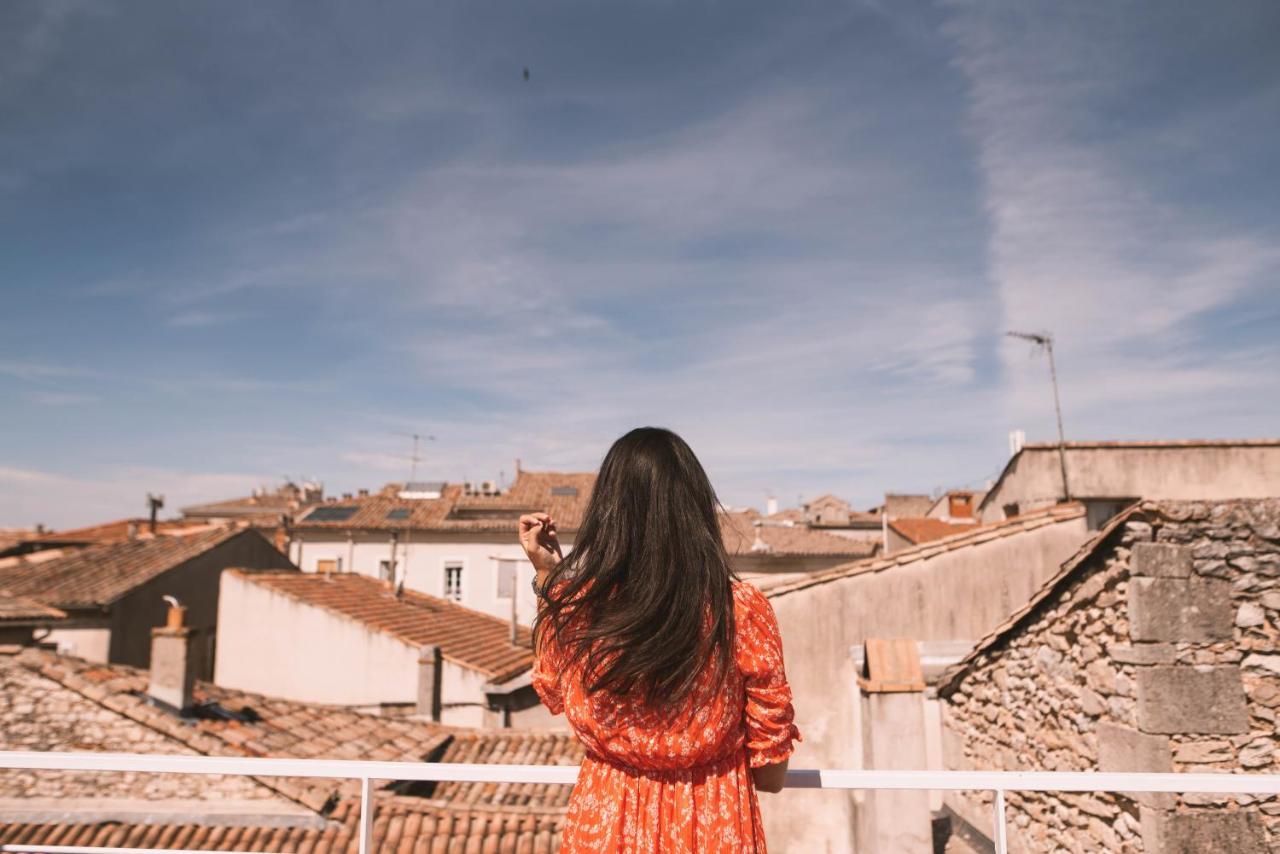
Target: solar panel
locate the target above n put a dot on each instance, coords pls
(398, 514)
(564, 490)
(331, 514)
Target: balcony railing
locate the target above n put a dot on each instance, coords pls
(997, 782)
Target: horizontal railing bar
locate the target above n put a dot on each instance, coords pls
(1026, 781)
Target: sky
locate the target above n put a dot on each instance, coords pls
(244, 242)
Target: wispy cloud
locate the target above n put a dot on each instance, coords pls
(1084, 241)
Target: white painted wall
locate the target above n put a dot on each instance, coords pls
(89, 644)
(423, 560)
(271, 644)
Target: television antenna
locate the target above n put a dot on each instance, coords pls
(1044, 341)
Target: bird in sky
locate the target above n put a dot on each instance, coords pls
(526, 72)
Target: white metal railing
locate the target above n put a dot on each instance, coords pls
(997, 782)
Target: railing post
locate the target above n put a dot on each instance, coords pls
(366, 816)
(1002, 844)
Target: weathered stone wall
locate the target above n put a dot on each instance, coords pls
(39, 714)
(1160, 655)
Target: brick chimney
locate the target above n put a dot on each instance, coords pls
(173, 661)
(429, 666)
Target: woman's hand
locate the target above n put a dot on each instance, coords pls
(538, 538)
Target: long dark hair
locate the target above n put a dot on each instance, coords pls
(645, 599)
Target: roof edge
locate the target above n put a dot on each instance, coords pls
(950, 678)
(1056, 514)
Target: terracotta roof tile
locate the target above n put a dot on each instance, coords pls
(925, 529)
(562, 494)
(20, 608)
(247, 724)
(471, 638)
(117, 532)
(400, 824)
(741, 532)
(98, 575)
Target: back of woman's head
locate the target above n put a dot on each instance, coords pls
(644, 602)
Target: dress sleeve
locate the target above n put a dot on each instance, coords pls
(771, 732)
(546, 675)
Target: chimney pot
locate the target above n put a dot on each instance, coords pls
(770, 506)
(364, 493)
(346, 496)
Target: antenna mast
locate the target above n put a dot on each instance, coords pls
(1045, 342)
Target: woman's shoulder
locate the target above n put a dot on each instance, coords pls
(746, 596)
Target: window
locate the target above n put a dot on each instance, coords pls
(329, 565)
(506, 579)
(386, 570)
(453, 581)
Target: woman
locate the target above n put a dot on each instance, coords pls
(668, 668)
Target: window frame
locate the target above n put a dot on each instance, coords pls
(460, 564)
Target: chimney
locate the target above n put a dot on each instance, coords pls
(1017, 438)
(770, 505)
(173, 661)
(154, 503)
(363, 493)
(429, 664)
(133, 529)
(346, 496)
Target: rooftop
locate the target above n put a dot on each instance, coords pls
(239, 723)
(98, 575)
(562, 494)
(743, 532)
(926, 529)
(468, 637)
(972, 536)
(18, 608)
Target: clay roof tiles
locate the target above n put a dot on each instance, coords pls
(562, 494)
(470, 638)
(740, 533)
(925, 529)
(98, 575)
(14, 608)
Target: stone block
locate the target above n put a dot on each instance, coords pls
(1197, 832)
(1146, 653)
(1195, 610)
(1125, 750)
(1194, 700)
(1160, 560)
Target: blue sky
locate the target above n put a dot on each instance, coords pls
(244, 241)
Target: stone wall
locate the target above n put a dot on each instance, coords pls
(39, 714)
(1158, 654)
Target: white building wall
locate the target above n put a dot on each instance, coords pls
(89, 644)
(271, 644)
(423, 561)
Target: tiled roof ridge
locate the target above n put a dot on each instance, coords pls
(979, 534)
(264, 578)
(141, 712)
(951, 677)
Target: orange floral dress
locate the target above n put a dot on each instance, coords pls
(650, 786)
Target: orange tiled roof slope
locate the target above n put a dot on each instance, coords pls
(925, 529)
(98, 575)
(465, 817)
(240, 723)
(401, 824)
(974, 535)
(21, 608)
(470, 638)
(740, 532)
(118, 532)
(562, 494)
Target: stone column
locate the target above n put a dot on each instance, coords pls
(1168, 604)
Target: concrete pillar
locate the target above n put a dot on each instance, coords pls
(891, 694)
(429, 678)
